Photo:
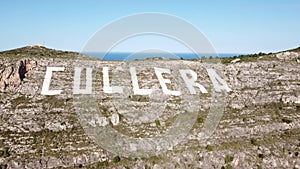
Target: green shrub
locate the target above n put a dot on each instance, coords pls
(157, 122)
(227, 167)
(286, 120)
(209, 148)
(228, 159)
(200, 120)
(3, 166)
(261, 156)
(5, 153)
(254, 142)
(116, 159)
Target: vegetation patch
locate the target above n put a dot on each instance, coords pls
(254, 142)
(287, 120)
(209, 148)
(157, 122)
(5, 153)
(228, 159)
(116, 159)
(200, 120)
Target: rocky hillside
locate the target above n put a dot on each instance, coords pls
(260, 127)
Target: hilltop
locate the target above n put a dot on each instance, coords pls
(39, 52)
(288, 55)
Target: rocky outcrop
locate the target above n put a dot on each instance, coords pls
(236, 60)
(288, 56)
(12, 76)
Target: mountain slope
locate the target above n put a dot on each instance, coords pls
(260, 127)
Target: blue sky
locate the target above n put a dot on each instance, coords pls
(232, 26)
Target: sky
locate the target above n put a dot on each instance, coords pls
(232, 26)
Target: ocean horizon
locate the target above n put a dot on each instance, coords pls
(135, 56)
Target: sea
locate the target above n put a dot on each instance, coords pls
(136, 56)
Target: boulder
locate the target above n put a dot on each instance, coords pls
(236, 60)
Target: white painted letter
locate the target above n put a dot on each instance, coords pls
(47, 80)
(162, 81)
(88, 83)
(106, 86)
(135, 84)
(218, 83)
(190, 82)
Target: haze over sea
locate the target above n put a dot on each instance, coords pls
(133, 56)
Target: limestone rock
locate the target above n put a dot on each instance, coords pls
(236, 60)
(115, 119)
(288, 56)
(12, 76)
